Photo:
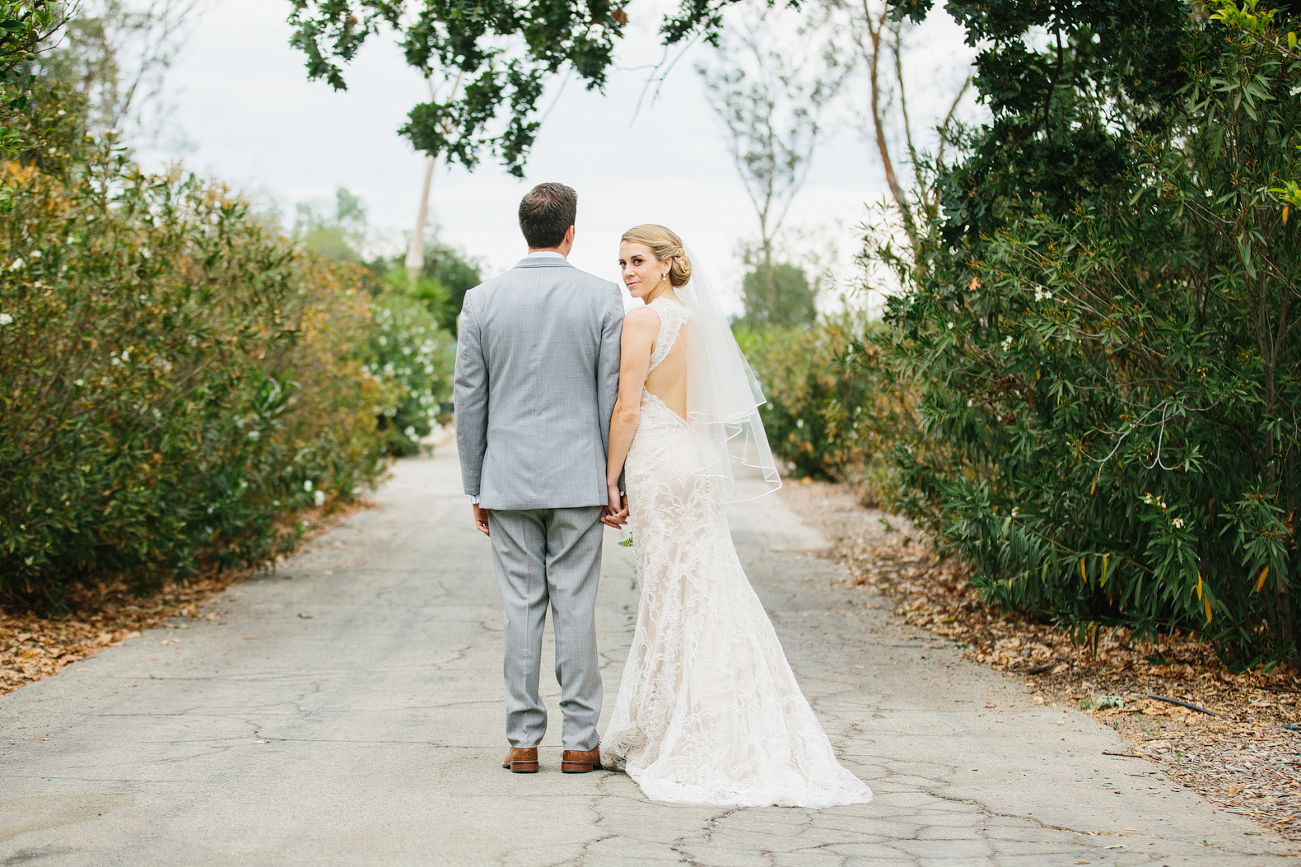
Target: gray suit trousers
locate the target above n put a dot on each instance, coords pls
(550, 556)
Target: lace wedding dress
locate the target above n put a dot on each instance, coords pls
(708, 710)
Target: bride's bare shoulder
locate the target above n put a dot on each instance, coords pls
(643, 318)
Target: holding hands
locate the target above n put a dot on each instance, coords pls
(615, 513)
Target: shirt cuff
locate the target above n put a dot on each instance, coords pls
(474, 498)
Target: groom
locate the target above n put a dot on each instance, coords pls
(537, 374)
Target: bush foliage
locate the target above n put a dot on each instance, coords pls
(1109, 386)
(408, 348)
(176, 379)
(836, 407)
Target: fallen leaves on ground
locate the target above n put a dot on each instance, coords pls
(33, 646)
(1247, 759)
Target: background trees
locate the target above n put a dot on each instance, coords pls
(770, 86)
(116, 54)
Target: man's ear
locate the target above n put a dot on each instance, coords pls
(569, 236)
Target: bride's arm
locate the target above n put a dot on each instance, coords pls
(640, 327)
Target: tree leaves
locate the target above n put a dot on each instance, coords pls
(505, 51)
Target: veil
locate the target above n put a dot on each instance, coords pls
(723, 396)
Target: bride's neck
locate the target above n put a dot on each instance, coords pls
(666, 292)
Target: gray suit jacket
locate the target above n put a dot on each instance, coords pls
(537, 374)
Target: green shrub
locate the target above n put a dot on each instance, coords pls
(176, 380)
(409, 350)
(1113, 393)
(836, 407)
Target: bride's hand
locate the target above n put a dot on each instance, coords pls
(615, 513)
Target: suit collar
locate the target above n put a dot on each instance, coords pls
(536, 261)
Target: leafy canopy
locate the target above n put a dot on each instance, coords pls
(494, 58)
(1067, 84)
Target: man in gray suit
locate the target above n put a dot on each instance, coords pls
(537, 374)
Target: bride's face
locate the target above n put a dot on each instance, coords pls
(642, 272)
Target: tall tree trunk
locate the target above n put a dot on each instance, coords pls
(874, 26)
(416, 251)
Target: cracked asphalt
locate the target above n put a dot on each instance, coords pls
(347, 710)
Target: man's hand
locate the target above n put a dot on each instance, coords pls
(480, 519)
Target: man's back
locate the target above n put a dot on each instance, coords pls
(536, 379)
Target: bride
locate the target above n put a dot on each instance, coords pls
(708, 710)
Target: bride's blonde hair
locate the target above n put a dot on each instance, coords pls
(666, 246)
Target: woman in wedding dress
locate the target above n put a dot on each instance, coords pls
(708, 710)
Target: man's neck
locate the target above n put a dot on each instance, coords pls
(557, 250)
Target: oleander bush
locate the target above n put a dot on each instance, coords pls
(1109, 372)
(176, 379)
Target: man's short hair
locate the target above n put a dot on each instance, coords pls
(546, 213)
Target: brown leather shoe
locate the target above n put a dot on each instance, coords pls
(580, 761)
(521, 760)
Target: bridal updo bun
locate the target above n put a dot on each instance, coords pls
(667, 247)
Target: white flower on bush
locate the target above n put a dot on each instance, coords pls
(17, 265)
(1007, 343)
(1178, 523)
(319, 498)
(5, 319)
(307, 486)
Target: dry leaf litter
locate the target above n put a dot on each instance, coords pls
(33, 647)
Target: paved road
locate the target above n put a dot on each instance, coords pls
(347, 710)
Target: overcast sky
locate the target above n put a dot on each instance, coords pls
(254, 121)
